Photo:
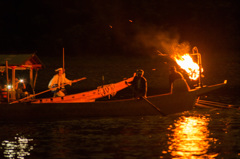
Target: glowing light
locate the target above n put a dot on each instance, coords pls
(18, 148)
(9, 87)
(190, 138)
(186, 62)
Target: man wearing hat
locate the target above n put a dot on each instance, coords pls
(58, 81)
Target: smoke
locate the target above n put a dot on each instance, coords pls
(163, 41)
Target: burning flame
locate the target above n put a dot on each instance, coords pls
(186, 62)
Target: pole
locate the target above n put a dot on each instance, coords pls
(31, 76)
(7, 81)
(200, 70)
(63, 61)
(35, 80)
(13, 90)
(199, 64)
(74, 81)
(154, 106)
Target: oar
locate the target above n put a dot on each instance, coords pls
(163, 114)
(74, 81)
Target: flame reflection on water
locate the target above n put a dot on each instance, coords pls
(19, 148)
(190, 138)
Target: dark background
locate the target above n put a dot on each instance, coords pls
(128, 30)
(116, 26)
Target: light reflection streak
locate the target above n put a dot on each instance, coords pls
(190, 138)
(19, 148)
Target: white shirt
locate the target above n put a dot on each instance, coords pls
(59, 81)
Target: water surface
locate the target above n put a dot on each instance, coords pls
(200, 133)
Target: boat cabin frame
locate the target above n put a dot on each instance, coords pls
(16, 62)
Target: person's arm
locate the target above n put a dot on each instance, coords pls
(16, 85)
(65, 80)
(24, 86)
(52, 82)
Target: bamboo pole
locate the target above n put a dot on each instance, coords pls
(35, 80)
(74, 81)
(31, 76)
(202, 106)
(63, 60)
(212, 104)
(13, 92)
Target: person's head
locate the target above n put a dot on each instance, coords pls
(59, 71)
(140, 72)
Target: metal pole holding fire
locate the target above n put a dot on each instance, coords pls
(195, 52)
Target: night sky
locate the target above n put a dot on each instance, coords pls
(116, 26)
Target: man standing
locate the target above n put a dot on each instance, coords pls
(139, 85)
(58, 81)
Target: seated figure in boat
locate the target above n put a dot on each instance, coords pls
(139, 85)
(177, 81)
(58, 82)
(28, 88)
(19, 87)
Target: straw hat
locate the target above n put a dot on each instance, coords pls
(59, 69)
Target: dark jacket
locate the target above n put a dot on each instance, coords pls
(173, 76)
(139, 85)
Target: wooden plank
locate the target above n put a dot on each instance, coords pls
(213, 104)
(202, 106)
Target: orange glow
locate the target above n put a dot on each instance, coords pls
(190, 138)
(186, 62)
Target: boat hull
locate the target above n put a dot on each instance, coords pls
(167, 103)
(153, 105)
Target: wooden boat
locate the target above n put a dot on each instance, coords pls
(89, 96)
(153, 105)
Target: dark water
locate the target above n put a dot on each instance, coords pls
(200, 133)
